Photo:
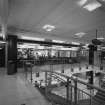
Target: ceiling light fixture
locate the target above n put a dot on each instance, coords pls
(82, 2)
(58, 41)
(48, 27)
(80, 34)
(100, 38)
(92, 6)
(75, 43)
(32, 38)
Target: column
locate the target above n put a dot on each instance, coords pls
(92, 48)
(12, 55)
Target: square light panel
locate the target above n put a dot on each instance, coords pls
(80, 34)
(92, 6)
(82, 2)
(48, 27)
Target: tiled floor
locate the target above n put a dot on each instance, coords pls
(14, 90)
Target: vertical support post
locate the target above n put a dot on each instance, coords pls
(63, 61)
(46, 84)
(6, 56)
(51, 71)
(67, 91)
(71, 94)
(25, 70)
(4, 18)
(62, 68)
(91, 54)
(75, 92)
(90, 97)
(12, 55)
(31, 72)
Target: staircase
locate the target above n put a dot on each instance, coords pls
(99, 98)
(103, 84)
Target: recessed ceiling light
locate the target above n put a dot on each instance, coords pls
(82, 2)
(92, 6)
(48, 27)
(80, 34)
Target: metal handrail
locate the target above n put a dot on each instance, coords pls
(72, 78)
(82, 91)
(75, 79)
(82, 82)
(59, 75)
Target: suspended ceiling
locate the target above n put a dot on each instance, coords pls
(27, 17)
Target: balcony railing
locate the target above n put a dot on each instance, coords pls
(62, 89)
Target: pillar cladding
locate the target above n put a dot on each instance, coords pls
(92, 48)
(12, 55)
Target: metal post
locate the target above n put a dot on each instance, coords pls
(46, 84)
(67, 91)
(71, 94)
(31, 72)
(90, 97)
(25, 69)
(75, 92)
(51, 71)
(62, 68)
(23, 62)
(6, 56)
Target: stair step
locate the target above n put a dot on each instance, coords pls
(101, 93)
(94, 102)
(98, 100)
(101, 97)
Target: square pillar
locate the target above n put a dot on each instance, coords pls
(12, 55)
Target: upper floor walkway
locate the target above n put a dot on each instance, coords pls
(15, 90)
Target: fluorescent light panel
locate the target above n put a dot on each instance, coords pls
(75, 43)
(92, 6)
(32, 38)
(82, 2)
(58, 41)
(100, 38)
(80, 34)
(48, 27)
